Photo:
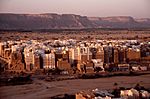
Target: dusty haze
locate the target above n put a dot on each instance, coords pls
(101, 8)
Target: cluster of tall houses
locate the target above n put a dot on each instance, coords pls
(66, 54)
(129, 93)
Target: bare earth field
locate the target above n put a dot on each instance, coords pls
(79, 35)
(41, 89)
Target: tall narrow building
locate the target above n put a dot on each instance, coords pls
(116, 58)
(28, 56)
(108, 54)
(49, 61)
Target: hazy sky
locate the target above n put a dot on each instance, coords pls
(135, 8)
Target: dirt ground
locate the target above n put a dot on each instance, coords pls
(41, 89)
(79, 35)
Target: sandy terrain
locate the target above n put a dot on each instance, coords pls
(42, 90)
(81, 35)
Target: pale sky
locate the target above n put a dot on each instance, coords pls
(97, 8)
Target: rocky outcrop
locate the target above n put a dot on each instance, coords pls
(67, 21)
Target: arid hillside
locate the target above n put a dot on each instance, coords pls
(67, 21)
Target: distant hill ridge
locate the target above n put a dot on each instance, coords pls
(68, 21)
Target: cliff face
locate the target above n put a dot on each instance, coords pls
(120, 22)
(68, 21)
